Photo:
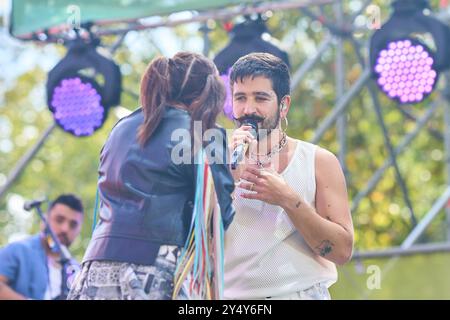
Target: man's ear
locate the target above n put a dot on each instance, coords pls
(285, 102)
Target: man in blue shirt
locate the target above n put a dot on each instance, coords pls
(30, 269)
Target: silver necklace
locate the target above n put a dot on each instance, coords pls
(268, 157)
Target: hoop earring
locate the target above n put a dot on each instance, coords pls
(287, 124)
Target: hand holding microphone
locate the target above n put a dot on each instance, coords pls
(242, 138)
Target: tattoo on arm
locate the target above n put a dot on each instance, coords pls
(298, 204)
(325, 247)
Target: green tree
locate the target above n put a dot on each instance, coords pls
(69, 164)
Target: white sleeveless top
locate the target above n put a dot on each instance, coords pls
(265, 256)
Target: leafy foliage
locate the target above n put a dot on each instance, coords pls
(382, 219)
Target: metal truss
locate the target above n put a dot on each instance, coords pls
(339, 33)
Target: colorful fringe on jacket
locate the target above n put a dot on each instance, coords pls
(200, 267)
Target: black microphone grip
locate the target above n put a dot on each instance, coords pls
(241, 149)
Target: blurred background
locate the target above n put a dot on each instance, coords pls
(394, 150)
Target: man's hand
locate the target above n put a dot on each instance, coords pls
(240, 136)
(265, 185)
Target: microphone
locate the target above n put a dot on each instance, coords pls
(28, 205)
(241, 149)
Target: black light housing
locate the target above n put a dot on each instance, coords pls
(246, 38)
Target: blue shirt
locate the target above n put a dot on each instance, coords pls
(24, 263)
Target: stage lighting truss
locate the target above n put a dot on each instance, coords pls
(78, 101)
(405, 67)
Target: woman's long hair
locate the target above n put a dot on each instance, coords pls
(188, 80)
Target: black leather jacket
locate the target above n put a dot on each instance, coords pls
(147, 199)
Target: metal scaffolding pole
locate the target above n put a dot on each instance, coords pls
(341, 106)
(387, 140)
(204, 29)
(435, 133)
(116, 45)
(341, 124)
(23, 162)
(426, 220)
(218, 14)
(446, 107)
(323, 46)
(309, 63)
(376, 177)
(390, 148)
(399, 251)
(407, 245)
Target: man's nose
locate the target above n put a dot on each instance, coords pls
(65, 228)
(249, 108)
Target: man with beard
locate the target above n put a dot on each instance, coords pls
(292, 221)
(31, 268)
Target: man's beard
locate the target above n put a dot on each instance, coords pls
(63, 239)
(266, 125)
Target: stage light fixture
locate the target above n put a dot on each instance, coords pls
(82, 87)
(404, 67)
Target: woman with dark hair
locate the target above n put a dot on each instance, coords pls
(147, 196)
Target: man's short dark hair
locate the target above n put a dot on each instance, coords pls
(69, 200)
(265, 65)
